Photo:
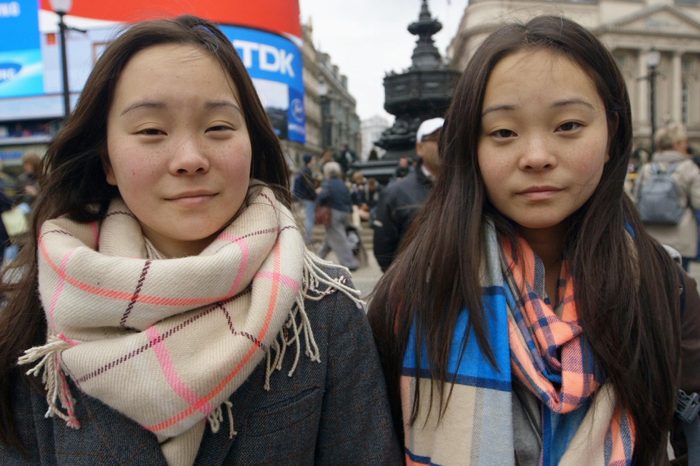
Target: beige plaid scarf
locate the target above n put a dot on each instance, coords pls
(167, 341)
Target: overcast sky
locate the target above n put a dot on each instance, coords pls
(367, 38)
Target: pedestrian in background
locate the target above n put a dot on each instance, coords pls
(304, 190)
(336, 195)
(326, 156)
(346, 158)
(530, 319)
(672, 156)
(403, 168)
(400, 201)
(167, 301)
(28, 183)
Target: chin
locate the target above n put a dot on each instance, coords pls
(535, 224)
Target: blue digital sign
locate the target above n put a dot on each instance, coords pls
(21, 62)
(275, 64)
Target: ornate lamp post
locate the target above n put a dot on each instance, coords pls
(653, 59)
(62, 8)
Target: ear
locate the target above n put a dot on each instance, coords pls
(110, 176)
(107, 167)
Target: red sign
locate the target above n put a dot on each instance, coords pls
(280, 16)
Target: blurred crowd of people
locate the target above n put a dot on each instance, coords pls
(672, 156)
(358, 202)
(17, 196)
(329, 183)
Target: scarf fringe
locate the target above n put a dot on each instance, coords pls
(52, 377)
(317, 284)
(298, 324)
(216, 418)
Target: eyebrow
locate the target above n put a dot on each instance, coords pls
(556, 104)
(222, 103)
(142, 104)
(210, 105)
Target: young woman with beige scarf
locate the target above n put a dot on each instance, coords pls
(167, 310)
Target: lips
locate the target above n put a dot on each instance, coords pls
(536, 193)
(190, 194)
(192, 198)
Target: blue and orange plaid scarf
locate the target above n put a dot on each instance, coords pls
(541, 344)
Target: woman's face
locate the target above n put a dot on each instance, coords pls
(543, 144)
(178, 146)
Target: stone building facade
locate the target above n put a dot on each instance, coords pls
(331, 116)
(630, 29)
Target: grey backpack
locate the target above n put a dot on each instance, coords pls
(660, 200)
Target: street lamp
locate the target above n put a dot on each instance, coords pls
(653, 59)
(61, 8)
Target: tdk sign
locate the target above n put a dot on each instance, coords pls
(9, 71)
(265, 57)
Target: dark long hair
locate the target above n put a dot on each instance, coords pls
(74, 181)
(627, 298)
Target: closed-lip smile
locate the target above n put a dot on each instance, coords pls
(539, 193)
(539, 189)
(191, 194)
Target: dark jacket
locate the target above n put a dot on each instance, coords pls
(304, 185)
(398, 205)
(689, 379)
(362, 195)
(328, 413)
(5, 204)
(335, 195)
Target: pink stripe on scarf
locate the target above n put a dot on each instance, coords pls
(95, 227)
(170, 373)
(122, 295)
(289, 281)
(274, 293)
(57, 293)
(70, 341)
(245, 256)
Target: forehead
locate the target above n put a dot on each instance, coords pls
(542, 71)
(164, 67)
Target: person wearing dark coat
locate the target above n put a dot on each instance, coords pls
(5, 204)
(401, 200)
(305, 192)
(336, 195)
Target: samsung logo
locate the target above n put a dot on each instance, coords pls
(8, 71)
(10, 10)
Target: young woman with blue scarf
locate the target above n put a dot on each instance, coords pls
(530, 319)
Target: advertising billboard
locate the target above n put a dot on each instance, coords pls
(21, 64)
(266, 34)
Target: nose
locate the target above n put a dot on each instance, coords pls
(537, 154)
(189, 157)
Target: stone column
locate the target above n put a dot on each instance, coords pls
(676, 87)
(642, 89)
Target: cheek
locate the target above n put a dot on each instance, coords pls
(239, 165)
(591, 165)
(492, 172)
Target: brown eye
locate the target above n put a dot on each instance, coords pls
(503, 134)
(220, 128)
(152, 132)
(569, 126)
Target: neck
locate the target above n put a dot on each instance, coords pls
(547, 243)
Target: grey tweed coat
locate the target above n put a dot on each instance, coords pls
(335, 412)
